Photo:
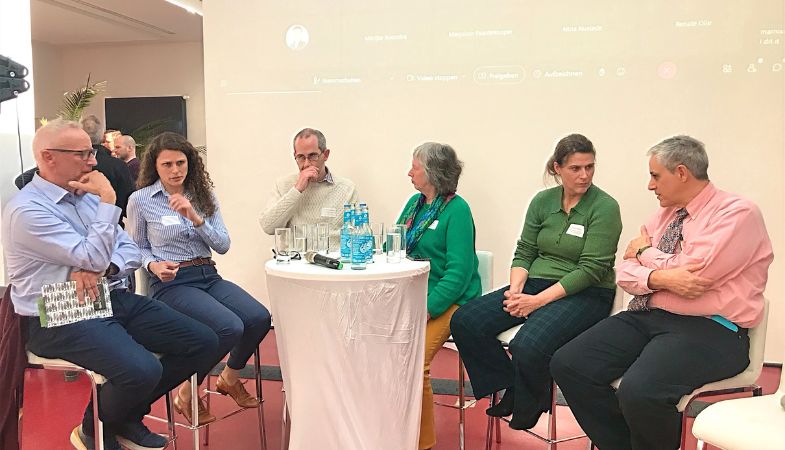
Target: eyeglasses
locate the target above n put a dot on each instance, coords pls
(84, 154)
(310, 157)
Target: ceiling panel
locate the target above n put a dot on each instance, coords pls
(82, 22)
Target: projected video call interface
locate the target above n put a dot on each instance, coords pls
(325, 45)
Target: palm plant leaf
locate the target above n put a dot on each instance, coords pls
(146, 132)
(75, 102)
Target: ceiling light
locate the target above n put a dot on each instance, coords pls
(192, 6)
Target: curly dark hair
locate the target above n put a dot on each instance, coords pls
(197, 183)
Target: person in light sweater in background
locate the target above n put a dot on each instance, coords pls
(311, 195)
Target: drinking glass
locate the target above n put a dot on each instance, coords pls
(394, 244)
(283, 245)
(322, 238)
(377, 229)
(300, 238)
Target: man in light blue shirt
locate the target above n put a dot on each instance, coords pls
(64, 226)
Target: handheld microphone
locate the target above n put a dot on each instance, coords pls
(324, 261)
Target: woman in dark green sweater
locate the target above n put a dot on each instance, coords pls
(440, 228)
(561, 283)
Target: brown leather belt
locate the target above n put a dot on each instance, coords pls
(197, 262)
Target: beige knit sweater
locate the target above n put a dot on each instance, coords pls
(320, 202)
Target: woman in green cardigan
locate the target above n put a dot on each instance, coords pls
(561, 283)
(440, 228)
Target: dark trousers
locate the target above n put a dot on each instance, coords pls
(476, 324)
(121, 349)
(662, 357)
(238, 319)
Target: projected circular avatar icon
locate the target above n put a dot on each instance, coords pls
(297, 37)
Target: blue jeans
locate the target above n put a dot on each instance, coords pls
(121, 349)
(237, 318)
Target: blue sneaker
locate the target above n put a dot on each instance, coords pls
(82, 441)
(136, 436)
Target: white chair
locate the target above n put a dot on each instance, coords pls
(485, 269)
(756, 423)
(743, 382)
(37, 362)
(493, 422)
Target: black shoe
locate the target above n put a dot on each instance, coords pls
(82, 441)
(136, 436)
(505, 405)
(523, 421)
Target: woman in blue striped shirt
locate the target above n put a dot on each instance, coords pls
(175, 220)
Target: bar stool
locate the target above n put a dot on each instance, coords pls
(194, 426)
(494, 422)
(485, 268)
(37, 362)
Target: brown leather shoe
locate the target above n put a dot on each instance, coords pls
(184, 408)
(237, 392)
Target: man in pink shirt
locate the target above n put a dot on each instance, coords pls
(697, 273)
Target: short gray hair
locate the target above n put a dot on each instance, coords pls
(94, 128)
(44, 135)
(682, 150)
(441, 165)
(305, 133)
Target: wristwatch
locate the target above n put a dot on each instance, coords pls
(641, 250)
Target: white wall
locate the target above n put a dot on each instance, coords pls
(504, 134)
(15, 114)
(142, 70)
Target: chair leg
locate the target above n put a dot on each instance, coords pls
(206, 441)
(195, 411)
(552, 419)
(491, 423)
(170, 421)
(498, 430)
(461, 405)
(257, 367)
(98, 426)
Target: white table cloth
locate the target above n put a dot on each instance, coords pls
(351, 344)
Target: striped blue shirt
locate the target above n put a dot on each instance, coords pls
(165, 235)
(49, 232)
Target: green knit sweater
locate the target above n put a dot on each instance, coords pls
(578, 249)
(449, 244)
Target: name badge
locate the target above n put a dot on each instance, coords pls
(329, 212)
(575, 230)
(170, 220)
(434, 225)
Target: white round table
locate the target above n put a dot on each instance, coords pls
(351, 344)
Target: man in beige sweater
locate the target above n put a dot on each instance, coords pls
(313, 194)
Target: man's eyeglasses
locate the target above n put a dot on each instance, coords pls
(84, 154)
(310, 157)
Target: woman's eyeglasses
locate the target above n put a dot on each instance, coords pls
(84, 154)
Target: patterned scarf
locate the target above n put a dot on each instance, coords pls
(415, 230)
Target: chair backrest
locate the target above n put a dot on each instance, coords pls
(758, 343)
(485, 268)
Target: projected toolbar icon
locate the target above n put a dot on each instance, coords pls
(297, 37)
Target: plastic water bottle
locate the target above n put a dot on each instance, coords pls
(357, 242)
(346, 230)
